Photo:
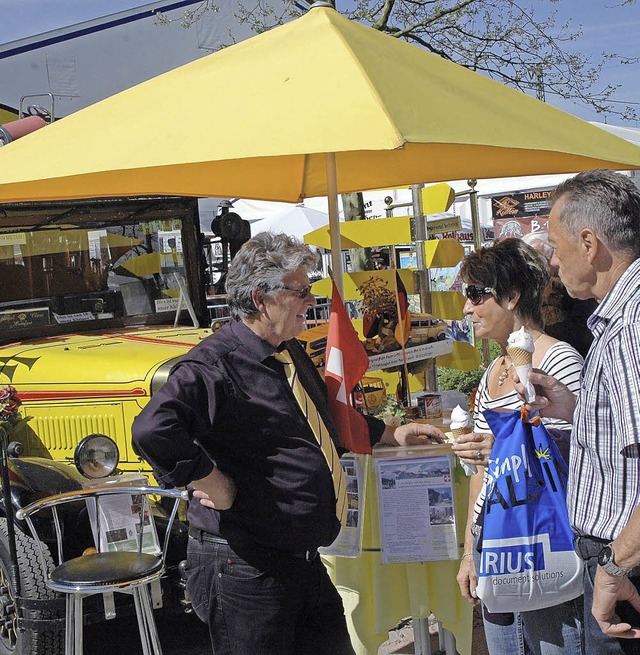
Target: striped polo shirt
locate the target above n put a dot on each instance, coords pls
(604, 475)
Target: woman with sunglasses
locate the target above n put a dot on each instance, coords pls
(505, 283)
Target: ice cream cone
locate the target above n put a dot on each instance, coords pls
(520, 357)
(461, 424)
(458, 432)
(520, 347)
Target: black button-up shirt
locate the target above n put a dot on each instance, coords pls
(228, 403)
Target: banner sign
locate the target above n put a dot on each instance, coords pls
(521, 205)
(518, 227)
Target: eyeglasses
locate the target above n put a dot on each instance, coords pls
(476, 294)
(301, 293)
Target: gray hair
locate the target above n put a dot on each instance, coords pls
(263, 262)
(539, 241)
(606, 202)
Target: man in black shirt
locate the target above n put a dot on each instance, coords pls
(228, 424)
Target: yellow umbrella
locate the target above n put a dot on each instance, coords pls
(319, 106)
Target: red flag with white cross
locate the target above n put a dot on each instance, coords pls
(346, 363)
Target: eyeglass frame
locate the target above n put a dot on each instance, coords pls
(301, 293)
(478, 293)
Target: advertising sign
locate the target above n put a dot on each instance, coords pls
(521, 205)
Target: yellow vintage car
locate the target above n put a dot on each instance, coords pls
(98, 299)
(76, 385)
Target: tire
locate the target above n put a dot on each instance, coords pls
(33, 586)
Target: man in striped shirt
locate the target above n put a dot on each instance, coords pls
(594, 228)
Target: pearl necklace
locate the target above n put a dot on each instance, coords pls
(503, 374)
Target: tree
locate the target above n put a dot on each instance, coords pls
(525, 47)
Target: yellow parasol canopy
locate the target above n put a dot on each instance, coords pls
(318, 106)
(255, 120)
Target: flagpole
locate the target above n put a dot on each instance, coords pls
(402, 344)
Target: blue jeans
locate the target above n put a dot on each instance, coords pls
(553, 630)
(264, 602)
(596, 641)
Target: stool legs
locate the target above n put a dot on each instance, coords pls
(73, 625)
(73, 640)
(146, 621)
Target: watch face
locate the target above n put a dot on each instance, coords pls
(605, 560)
(604, 556)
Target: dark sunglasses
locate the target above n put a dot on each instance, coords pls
(476, 294)
(301, 293)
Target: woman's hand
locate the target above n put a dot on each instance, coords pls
(468, 578)
(474, 448)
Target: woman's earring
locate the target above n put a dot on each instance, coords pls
(509, 306)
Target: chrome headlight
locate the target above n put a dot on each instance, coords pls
(96, 456)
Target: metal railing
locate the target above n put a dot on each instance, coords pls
(218, 310)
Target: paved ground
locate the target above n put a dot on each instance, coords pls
(401, 640)
(186, 635)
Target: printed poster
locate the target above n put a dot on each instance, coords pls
(349, 541)
(417, 518)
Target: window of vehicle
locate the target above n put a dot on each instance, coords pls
(58, 276)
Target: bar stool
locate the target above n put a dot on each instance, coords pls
(108, 570)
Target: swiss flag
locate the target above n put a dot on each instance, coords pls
(346, 363)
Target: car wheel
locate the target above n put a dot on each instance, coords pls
(32, 581)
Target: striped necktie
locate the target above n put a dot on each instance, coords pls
(320, 432)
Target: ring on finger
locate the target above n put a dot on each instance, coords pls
(479, 454)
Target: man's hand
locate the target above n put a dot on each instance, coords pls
(609, 589)
(474, 448)
(412, 434)
(216, 491)
(554, 399)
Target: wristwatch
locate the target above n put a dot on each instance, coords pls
(605, 560)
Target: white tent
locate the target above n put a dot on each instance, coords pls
(296, 220)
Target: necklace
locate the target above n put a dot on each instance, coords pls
(504, 373)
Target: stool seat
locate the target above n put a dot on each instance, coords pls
(105, 569)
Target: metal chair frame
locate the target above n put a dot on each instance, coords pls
(144, 568)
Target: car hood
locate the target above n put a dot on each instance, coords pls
(96, 363)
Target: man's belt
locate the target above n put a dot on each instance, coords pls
(203, 535)
(590, 547)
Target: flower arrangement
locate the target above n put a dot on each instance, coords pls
(391, 412)
(10, 416)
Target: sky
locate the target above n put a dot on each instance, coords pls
(606, 26)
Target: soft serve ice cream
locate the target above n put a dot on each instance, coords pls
(520, 348)
(461, 422)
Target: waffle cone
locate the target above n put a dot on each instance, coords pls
(458, 432)
(520, 357)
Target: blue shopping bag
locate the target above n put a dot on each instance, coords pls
(527, 560)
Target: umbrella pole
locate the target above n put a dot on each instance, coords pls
(422, 274)
(334, 222)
